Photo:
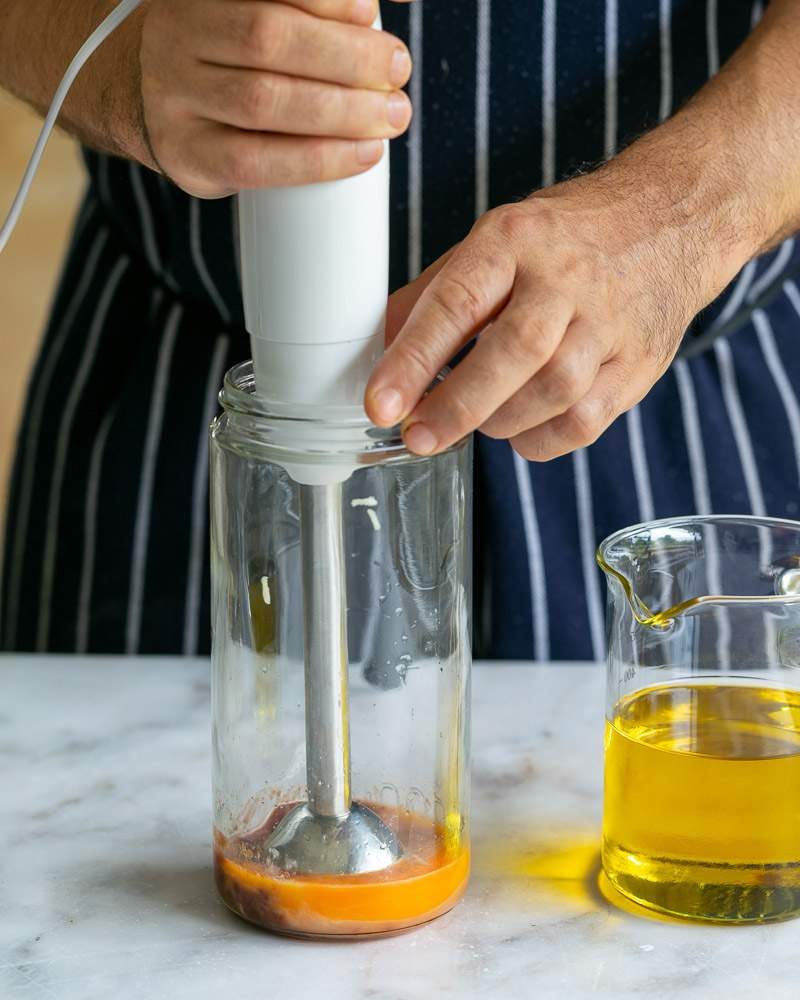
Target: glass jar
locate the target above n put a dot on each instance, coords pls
(406, 531)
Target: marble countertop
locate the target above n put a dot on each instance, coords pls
(105, 874)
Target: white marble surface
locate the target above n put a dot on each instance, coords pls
(105, 875)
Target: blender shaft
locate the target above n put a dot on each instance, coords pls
(326, 660)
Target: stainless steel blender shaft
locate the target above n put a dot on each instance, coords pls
(330, 834)
(324, 594)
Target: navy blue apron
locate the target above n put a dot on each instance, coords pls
(107, 536)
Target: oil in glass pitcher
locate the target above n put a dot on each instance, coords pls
(702, 747)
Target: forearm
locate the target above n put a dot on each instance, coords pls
(723, 175)
(38, 38)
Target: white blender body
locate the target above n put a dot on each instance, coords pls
(315, 279)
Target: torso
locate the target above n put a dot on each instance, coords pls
(107, 538)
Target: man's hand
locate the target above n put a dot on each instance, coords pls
(222, 95)
(579, 296)
(245, 93)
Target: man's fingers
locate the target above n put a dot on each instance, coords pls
(520, 341)
(272, 102)
(404, 299)
(462, 298)
(220, 160)
(614, 390)
(565, 379)
(285, 39)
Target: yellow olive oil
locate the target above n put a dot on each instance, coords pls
(702, 800)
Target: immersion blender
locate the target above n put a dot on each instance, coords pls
(315, 270)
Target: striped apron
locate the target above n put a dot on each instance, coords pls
(107, 536)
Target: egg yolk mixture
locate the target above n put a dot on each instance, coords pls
(424, 883)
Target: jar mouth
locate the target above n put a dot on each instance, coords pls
(239, 395)
(327, 436)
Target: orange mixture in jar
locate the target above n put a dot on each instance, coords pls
(426, 882)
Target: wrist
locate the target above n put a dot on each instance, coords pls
(676, 193)
(103, 107)
(114, 87)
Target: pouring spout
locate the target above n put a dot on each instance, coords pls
(673, 568)
(644, 615)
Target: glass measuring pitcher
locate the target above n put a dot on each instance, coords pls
(702, 749)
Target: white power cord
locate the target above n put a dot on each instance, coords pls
(94, 41)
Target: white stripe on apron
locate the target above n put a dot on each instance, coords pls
(199, 528)
(769, 348)
(773, 272)
(30, 448)
(415, 146)
(641, 472)
(665, 42)
(146, 217)
(737, 296)
(612, 16)
(59, 465)
(588, 545)
(712, 37)
(482, 90)
(237, 263)
(155, 419)
(196, 250)
(90, 536)
(536, 573)
(741, 433)
(548, 93)
(702, 499)
(694, 438)
(793, 294)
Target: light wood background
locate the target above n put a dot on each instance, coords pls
(30, 265)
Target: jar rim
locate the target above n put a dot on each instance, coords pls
(238, 394)
(282, 433)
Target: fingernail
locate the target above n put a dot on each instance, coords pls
(397, 110)
(420, 439)
(388, 405)
(369, 150)
(400, 69)
(364, 11)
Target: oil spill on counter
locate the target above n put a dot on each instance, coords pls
(556, 870)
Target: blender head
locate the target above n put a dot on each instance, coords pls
(355, 844)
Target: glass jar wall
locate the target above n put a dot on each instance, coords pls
(406, 541)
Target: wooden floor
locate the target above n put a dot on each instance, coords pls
(30, 265)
